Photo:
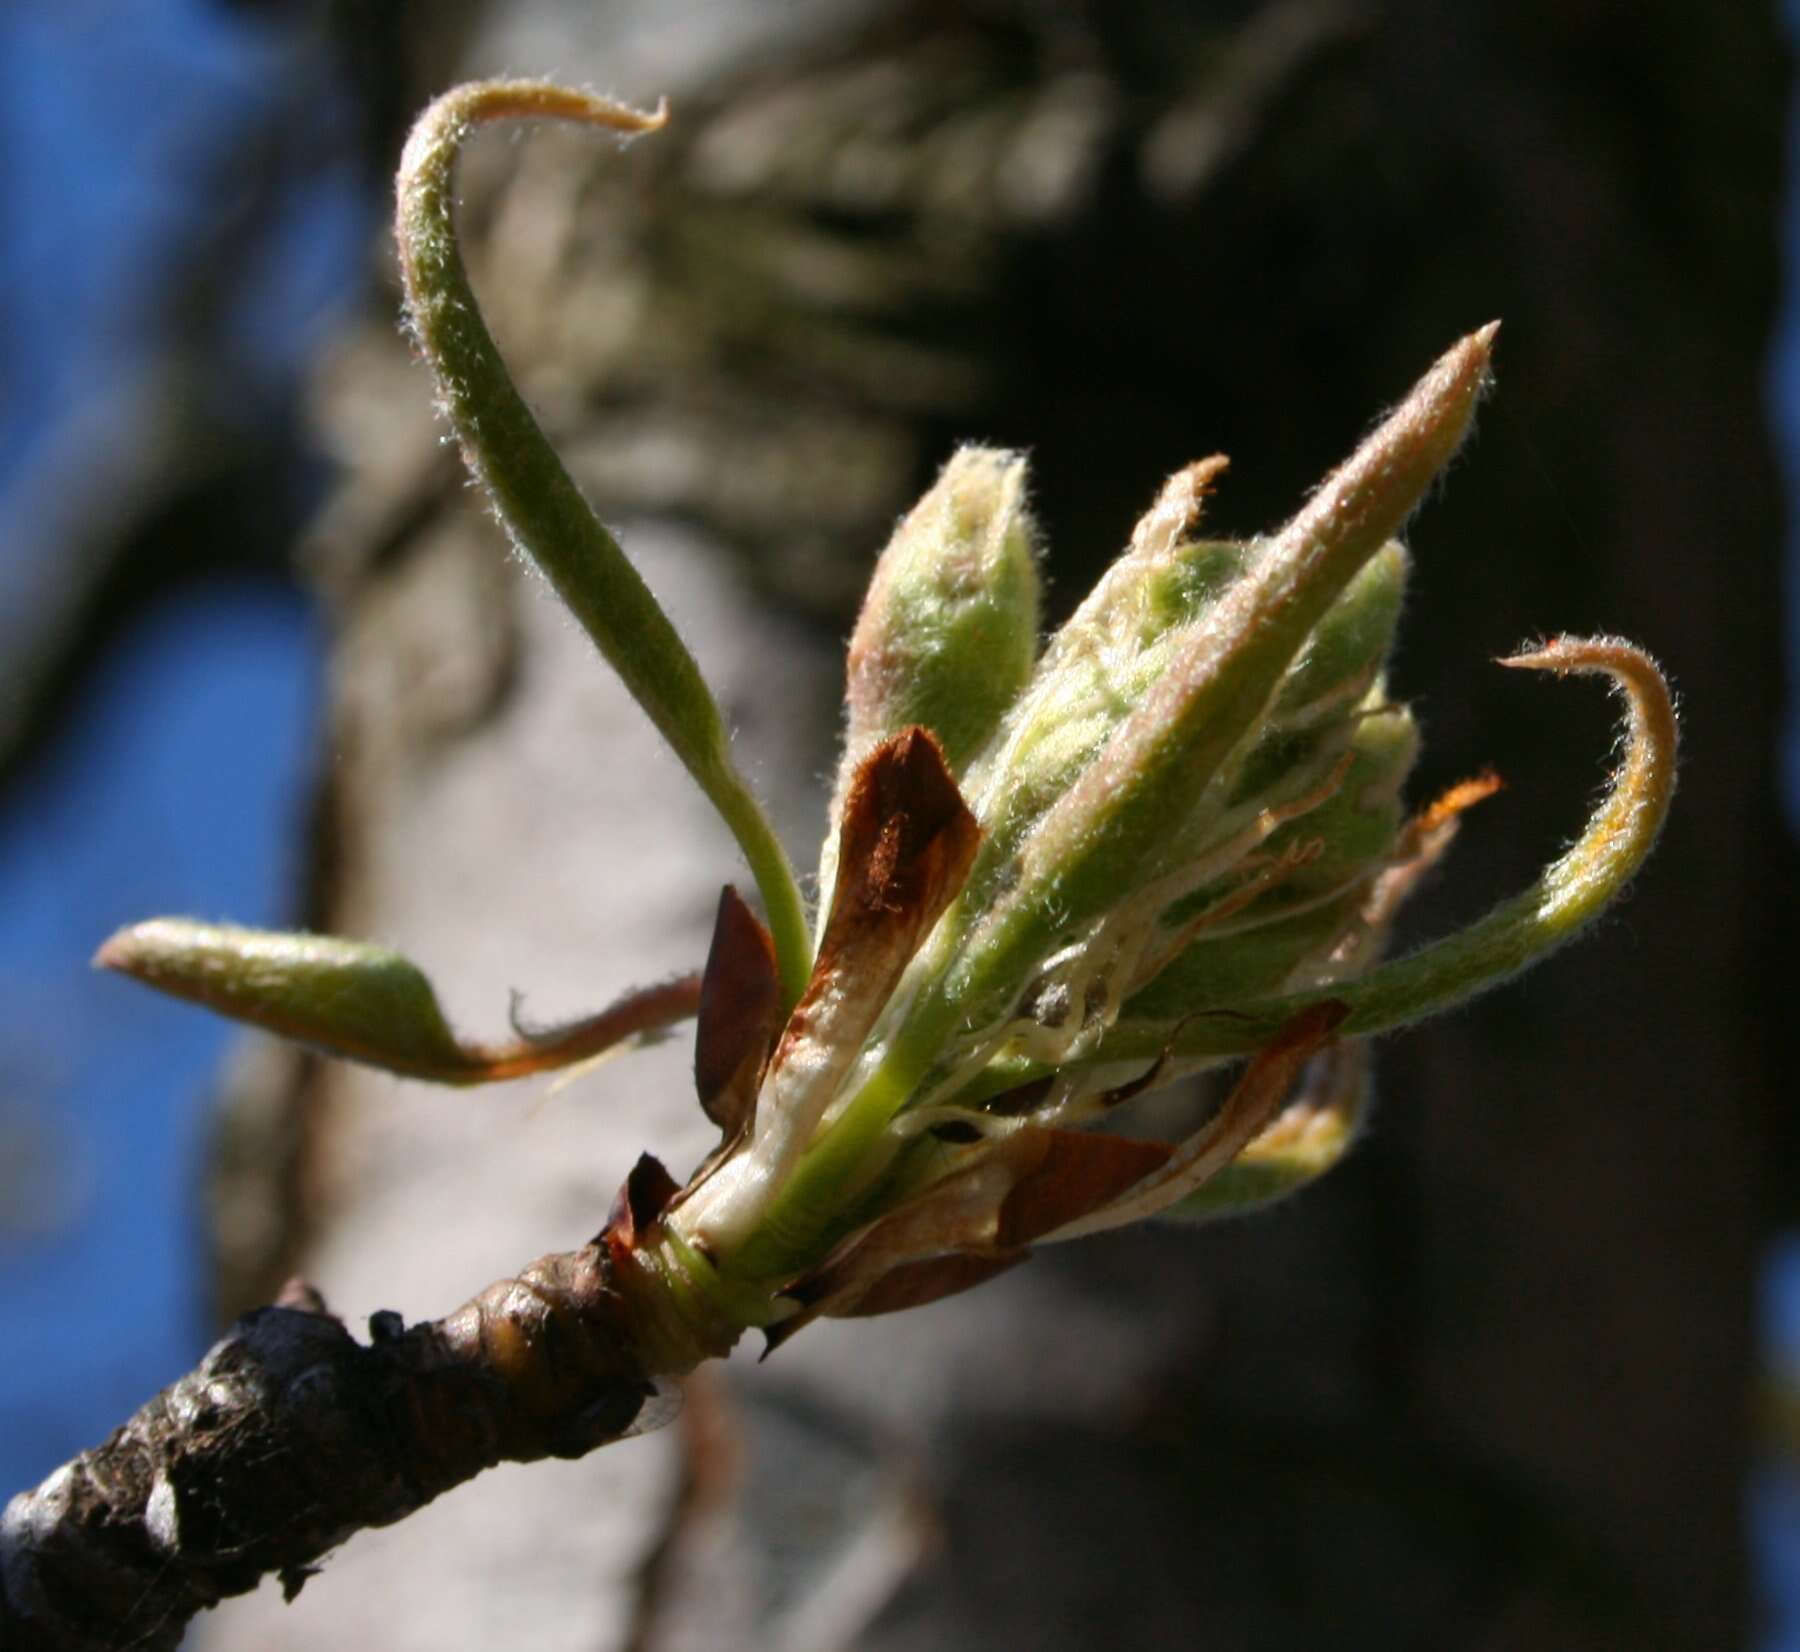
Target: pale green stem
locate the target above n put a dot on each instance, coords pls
(538, 501)
(826, 1183)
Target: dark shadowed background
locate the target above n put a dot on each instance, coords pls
(1493, 1385)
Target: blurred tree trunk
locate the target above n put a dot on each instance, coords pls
(1488, 1387)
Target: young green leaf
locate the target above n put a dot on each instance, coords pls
(363, 1002)
(536, 498)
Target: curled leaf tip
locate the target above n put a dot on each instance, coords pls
(1179, 507)
(1625, 825)
(1576, 887)
(1459, 799)
(477, 101)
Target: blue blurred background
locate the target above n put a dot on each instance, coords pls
(188, 207)
(185, 217)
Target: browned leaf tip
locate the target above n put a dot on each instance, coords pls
(740, 1014)
(644, 1196)
(931, 1279)
(1464, 795)
(836, 1282)
(955, 1216)
(815, 1295)
(971, 1226)
(775, 1335)
(905, 846)
(1065, 1174)
(644, 1011)
(1149, 1079)
(859, 1286)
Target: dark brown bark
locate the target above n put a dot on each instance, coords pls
(290, 1436)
